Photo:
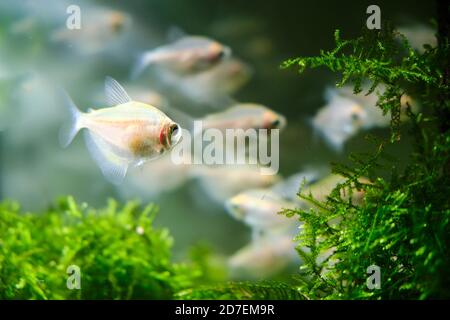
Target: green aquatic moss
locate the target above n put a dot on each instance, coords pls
(121, 255)
(403, 225)
(263, 290)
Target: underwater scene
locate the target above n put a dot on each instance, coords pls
(224, 150)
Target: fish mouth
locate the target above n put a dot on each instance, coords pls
(278, 123)
(233, 207)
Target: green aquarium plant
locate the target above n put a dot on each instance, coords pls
(119, 253)
(403, 226)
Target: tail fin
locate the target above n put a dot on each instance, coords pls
(330, 93)
(141, 64)
(69, 130)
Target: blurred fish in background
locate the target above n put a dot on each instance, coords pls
(339, 120)
(375, 116)
(148, 96)
(258, 209)
(156, 177)
(237, 116)
(214, 87)
(271, 248)
(245, 116)
(185, 55)
(221, 182)
(251, 31)
(103, 29)
(418, 35)
(232, 58)
(346, 114)
(263, 258)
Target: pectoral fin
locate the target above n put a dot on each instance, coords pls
(113, 166)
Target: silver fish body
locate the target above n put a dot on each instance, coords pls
(263, 258)
(102, 29)
(222, 182)
(245, 116)
(375, 116)
(338, 121)
(135, 129)
(187, 55)
(259, 209)
(213, 87)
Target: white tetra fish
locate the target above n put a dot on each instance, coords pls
(338, 121)
(147, 96)
(321, 189)
(418, 35)
(127, 133)
(245, 116)
(187, 55)
(289, 187)
(375, 116)
(239, 116)
(214, 86)
(259, 209)
(101, 29)
(225, 181)
(227, 77)
(264, 257)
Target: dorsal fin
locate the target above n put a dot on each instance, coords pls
(115, 93)
(175, 33)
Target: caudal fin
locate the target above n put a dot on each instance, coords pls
(69, 130)
(141, 64)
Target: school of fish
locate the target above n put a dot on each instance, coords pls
(185, 78)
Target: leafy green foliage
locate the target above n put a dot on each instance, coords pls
(119, 252)
(267, 290)
(403, 224)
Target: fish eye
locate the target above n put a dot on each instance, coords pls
(174, 133)
(174, 129)
(275, 123)
(221, 54)
(355, 116)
